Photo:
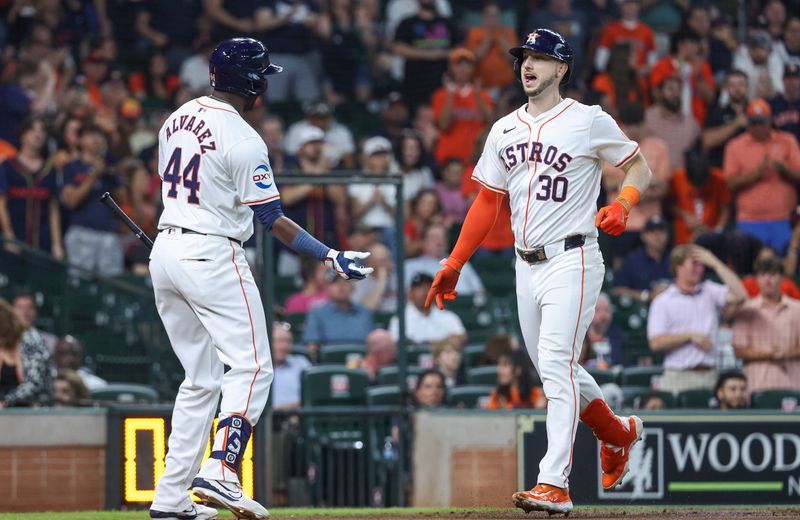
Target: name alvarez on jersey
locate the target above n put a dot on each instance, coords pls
(187, 123)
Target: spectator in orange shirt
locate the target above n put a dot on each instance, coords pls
(687, 64)
(768, 256)
(461, 108)
(628, 30)
(762, 167)
(655, 150)
(699, 197)
(490, 42)
(622, 83)
(514, 386)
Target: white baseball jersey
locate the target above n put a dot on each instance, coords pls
(549, 166)
(212, 164)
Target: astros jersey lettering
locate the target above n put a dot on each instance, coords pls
(212, 164)
(550, 168)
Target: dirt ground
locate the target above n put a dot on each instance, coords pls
(587, 512)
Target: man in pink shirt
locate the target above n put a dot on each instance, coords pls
(684, 320)
(762, 167)
(766, 333)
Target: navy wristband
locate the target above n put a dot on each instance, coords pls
(305, 244)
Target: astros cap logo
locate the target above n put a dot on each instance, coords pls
(532, 37)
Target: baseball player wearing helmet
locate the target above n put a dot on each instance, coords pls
(544, 160)
(216, 173)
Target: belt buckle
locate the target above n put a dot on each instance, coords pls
(538, 254)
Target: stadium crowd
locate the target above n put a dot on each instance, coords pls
(411, 88)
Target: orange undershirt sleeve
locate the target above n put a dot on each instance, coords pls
(480, 219)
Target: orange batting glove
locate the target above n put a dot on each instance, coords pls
(444, 287)
(612, 218)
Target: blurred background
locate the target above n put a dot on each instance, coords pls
(405, 88)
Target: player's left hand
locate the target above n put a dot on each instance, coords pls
(443, 287)
(345, 264)
(612, 218)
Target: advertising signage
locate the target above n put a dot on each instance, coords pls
(712, 459)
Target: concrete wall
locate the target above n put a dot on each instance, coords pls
(464, 459)
(52, 459)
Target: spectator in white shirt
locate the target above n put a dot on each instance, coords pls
(373, 205)
(426, 325)
(339, 145)
(434, 249)
(288, 369)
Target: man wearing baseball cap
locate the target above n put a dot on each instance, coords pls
(761, 168)
(786, 107)
(461, 108)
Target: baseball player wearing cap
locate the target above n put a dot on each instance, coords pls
(544, 159)
(216, 173)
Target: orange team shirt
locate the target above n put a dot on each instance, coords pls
(640, 38)
(667, 67)
(495, 69)
(459, 139)
(772, 197)
(496, 402)
(788, 287)
(603, 83)
(500, 236)
(656, 153)
(705, 203)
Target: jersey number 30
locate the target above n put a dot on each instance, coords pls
(172, 175)
(552, 188)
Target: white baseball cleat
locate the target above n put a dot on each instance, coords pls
(195, 512)
(230, 496)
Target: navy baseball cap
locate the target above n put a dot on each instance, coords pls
(656, 222)
(792, 70)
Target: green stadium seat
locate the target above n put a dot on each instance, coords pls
(787, 400)
(334, 385)
(640, 376)
(388, 375)
(472, 355)
(386, 395)
(296, 320)
(125, 393)
(468, 396)
(301, 350)
(602, 376)
(633, 396)
(700, 398)
(482, 376)
(341, 354)
(382, 319)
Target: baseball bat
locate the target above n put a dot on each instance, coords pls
(109, 201)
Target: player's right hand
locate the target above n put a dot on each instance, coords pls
(345, 264)
(612, 218)
(443, 288)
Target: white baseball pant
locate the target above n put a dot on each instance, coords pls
(556, 301)
(212, 312)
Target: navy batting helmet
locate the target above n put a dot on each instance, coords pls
(241, 66)
(545, 41)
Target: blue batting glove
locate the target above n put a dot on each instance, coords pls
(345, 265)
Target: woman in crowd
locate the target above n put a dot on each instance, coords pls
(417, 176)
(431, 390)
(29, 209)
(514, 385)
(26, 368)
(315, 288)
(426, 209)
